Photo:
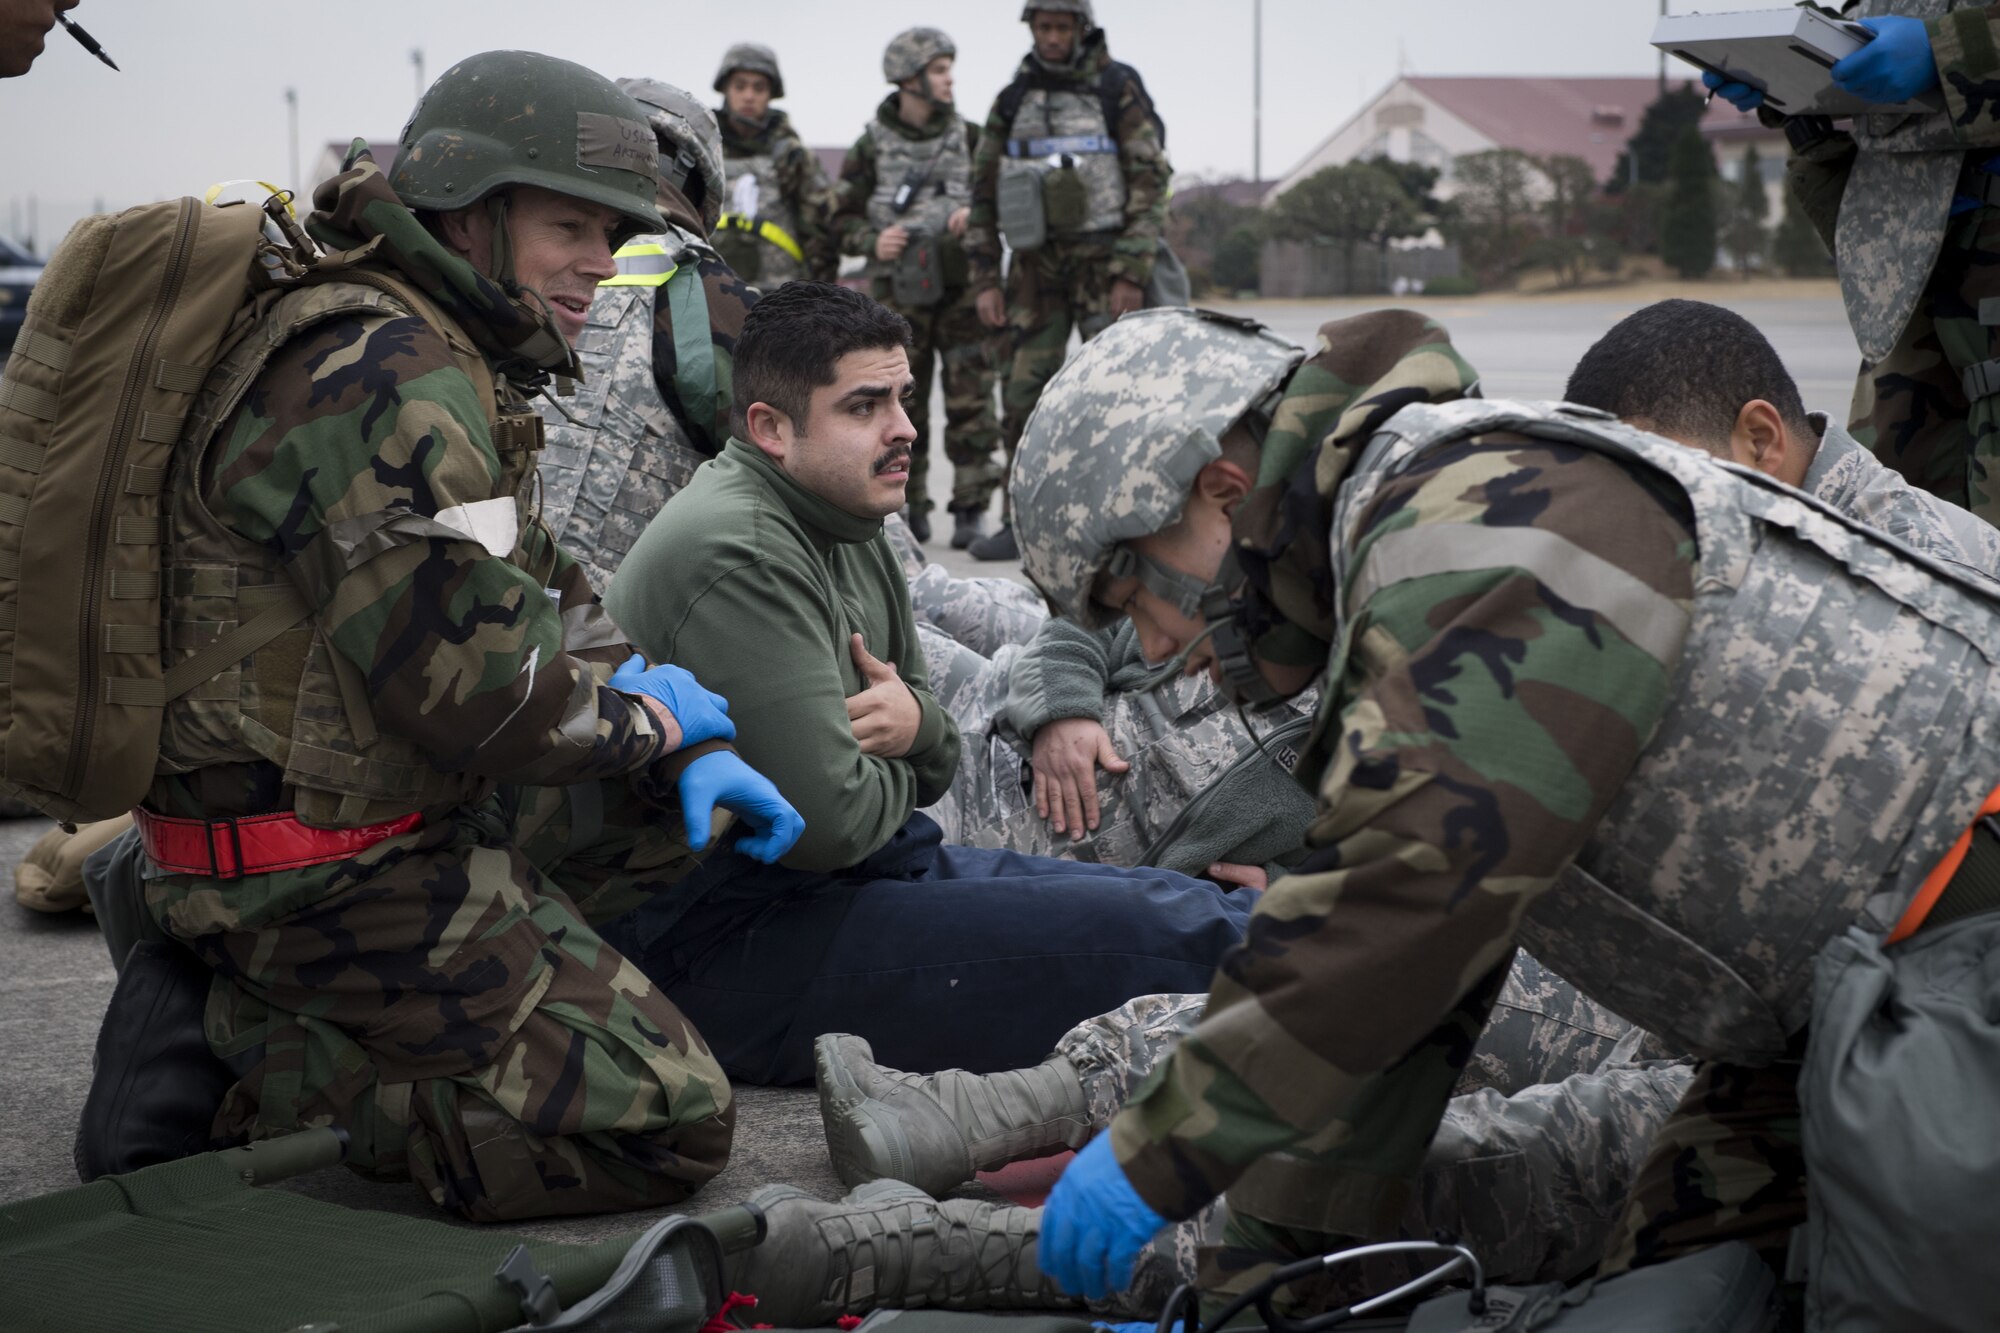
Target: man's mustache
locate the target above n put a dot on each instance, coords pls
(892, 460)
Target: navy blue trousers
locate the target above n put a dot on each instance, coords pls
(939, 956)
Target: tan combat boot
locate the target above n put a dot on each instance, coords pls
(935, 1130)
(890, 1245)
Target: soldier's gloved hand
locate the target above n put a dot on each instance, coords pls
(1739, 95)
(724, 779)
(1897, 66)
(1094, 1225)
(702, 713)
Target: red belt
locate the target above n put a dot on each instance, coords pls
(254, 844)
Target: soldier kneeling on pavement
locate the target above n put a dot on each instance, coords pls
(1717, 751)
(382, 852)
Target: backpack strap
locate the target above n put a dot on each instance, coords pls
(695, 374)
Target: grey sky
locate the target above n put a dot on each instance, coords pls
(202, 95)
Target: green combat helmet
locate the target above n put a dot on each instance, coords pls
(509, 118)
(1080, 8)
(910, 53)
(757, 60)
(690, 144)
(1116, 441)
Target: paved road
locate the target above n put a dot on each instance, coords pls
(1525, 348)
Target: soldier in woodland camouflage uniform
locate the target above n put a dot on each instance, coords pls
(654, 402)
(1910, 206)
(1530, 620)
(1075, 139)
(905, 193)
(773, 227)
(411, 803)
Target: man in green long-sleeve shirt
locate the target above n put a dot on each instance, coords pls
(771, 577)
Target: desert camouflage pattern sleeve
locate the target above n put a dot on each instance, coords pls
(1474, 731)
(729, 300)
(1143, 157)
(982, 229)
(851, 228)
(362, 457)
(1966, 43)
(805, 184)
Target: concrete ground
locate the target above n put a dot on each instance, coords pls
(55, 975)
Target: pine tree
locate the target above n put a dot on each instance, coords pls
(1747, 211)
(1687, 224)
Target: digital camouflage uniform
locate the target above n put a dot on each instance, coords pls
(1065, 284)
(440, 994)
(770, 163)
(889, 152)
(1513, 743)
(642, 421)
(1918, 211)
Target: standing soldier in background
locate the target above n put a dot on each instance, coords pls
(904, 199)
(654, 401)
(1072, 170)
(1910, 206)
(773, 226)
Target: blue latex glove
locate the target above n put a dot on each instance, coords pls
(1739, 95)
(702, 713)
(724, 779)
(1897, 66)
(1094, 1225)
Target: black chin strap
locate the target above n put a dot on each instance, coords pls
(1241, 679)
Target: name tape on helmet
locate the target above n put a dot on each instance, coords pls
(614, 141)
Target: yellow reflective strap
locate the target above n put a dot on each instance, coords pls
(642, 264)
(764, 230)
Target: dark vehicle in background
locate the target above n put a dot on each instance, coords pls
(18, 272)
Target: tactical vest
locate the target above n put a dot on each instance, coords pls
(297, 703)
(1064, 120)
(1833, 726)
(765, 247)
(1897, 204)
(615, 452)
(940, 168)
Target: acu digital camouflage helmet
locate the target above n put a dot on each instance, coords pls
(756, 60)
(1114, 445)
(509, 118)
(909, 53)
(690, 143)
(1080, 8)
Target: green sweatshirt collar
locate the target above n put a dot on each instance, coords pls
(826, 523)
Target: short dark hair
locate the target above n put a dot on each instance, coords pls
(793, 337)
(1686, 368)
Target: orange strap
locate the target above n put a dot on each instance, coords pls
(1941, 875)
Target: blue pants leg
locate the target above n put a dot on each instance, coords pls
(981, 960)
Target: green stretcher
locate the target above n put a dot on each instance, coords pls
(195, 1246)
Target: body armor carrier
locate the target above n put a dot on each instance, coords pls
(938, 169)
(297, 703)
(615, 451)
(1062, 125)
(1832, 729)
(761, 242)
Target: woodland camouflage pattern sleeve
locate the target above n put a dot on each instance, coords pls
(982, 230)
(357, 436)
(1966, 43)
(1475, 732)
(852, 230)
(1147, 178)
(805, 184)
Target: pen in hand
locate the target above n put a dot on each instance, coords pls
(85, 40)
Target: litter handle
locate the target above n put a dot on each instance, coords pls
(742, 1227)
